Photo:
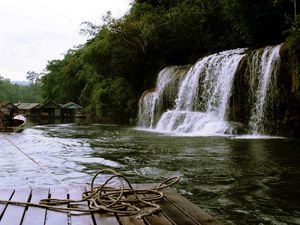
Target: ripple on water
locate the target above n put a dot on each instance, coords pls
(238, 179)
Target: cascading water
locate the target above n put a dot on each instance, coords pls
(200, 106)
(152, 103)
(265, 67)
(195, 101)
(203, 96)
(146, 110)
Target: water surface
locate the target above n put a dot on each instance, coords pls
(238, 180)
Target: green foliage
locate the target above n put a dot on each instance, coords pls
(62, 82)
(33, 77)
(108, 74)
(293, 42)
(294, 39)
(19, 93)
(110, 100)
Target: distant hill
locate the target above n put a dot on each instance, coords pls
(23, 82)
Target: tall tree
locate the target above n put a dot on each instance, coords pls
(126, 54)
(32, 76)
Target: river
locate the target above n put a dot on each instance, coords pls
(240, 180)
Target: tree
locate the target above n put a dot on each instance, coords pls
(19, 93)
(33, 77)
(127, 53)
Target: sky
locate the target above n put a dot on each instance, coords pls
(33, 32)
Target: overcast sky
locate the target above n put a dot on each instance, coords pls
(33, 32)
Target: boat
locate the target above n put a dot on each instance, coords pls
(16, 124)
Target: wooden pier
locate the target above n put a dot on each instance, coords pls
(175, 210)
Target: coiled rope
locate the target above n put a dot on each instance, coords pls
(141, 202)
(124, 200)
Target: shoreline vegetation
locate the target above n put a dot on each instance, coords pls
(108, 74)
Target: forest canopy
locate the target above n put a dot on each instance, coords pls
(11, 92)
(122, 57)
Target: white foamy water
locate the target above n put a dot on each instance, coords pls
(202, 99)
(201, 106)
(265, 67)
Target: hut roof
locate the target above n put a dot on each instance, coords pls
(71, 105)
(7, 105)
(51, 104)
(27, 106)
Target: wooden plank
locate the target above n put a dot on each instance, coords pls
(35, 215)
(5, 195)
(104, 218)
(157, 218)
(176, 210)
(131, 220)
(175, 215)
(56, 217)
(79, 218)
(190, 209)
(14, 214)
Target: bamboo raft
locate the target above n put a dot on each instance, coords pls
(175, 209)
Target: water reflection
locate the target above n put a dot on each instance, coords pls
(262, 188)
(240, 181)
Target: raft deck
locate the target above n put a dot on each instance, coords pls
(175, 210)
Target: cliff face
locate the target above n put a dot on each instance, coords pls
(282, 107)
(241, 100)
(288, 109)
(256, 89)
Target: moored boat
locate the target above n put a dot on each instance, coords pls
(10, 119)
(16, 124)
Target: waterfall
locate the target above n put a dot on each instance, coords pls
(153, 103)
(146, 109)
(202, 98)
(264, 67)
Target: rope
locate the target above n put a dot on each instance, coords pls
(105, 198)
(35, 162)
